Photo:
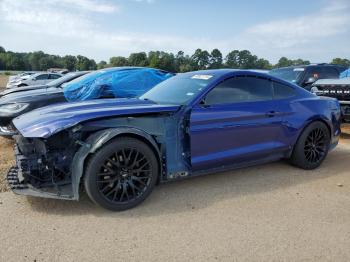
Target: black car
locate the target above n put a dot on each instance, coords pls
(336, 88)
(55, 83)
(306, 75)
(14, 102)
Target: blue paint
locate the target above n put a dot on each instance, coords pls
(197, 138)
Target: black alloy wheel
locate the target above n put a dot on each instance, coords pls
(312, 146)
(121, 174)
(316, 145)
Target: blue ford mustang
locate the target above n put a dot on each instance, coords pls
(194, 123)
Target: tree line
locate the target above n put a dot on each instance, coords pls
(179, 62)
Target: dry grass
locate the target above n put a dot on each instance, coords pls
(6, 161)
(3, 81)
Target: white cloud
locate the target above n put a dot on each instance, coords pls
(66, 27)
(89, 5)
(302, 35)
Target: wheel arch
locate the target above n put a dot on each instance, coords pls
(308, 123)
(101, 138)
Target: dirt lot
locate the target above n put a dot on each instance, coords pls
(273, 212)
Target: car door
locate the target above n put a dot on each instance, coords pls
(236, 123)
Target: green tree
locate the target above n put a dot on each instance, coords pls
(118, 61)
(162, 60)
(200, 59)
(34, 58)
(262, 63)
(47, 62)
(138, 59)
(232, 59)
(215, 60)
(284, 62)
(102, 64)
(84, 63)
(341, 61)
(69, 62)
(183, 63)
(2, 50)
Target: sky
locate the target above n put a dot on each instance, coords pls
(316, 30)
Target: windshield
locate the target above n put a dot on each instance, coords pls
(288, 74)
(178, 90)
(63, 79)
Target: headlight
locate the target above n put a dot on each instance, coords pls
(13, 108)
(314, 90)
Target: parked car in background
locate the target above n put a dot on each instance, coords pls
(191, 124)
(97, 84)
(55, 83)
(35, 79)
(336, 88)
(306, 75)
(58, 70)
(14, 77)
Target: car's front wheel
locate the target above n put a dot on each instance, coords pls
(121, 174)
(312, 146)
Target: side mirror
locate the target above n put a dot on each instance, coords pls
(310, 80)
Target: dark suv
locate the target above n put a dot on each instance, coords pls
(336, 88)
(306, 75)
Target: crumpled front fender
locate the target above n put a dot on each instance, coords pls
(95, 142)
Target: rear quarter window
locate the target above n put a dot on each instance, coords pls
(282, 91)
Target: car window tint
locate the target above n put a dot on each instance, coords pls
(282, 91)
(240, 89)
(42, 77)
(322, 73)
(329, 72)
(53, 76)
(313, 72)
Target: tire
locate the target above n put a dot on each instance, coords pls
(312, 146)
(121, 174)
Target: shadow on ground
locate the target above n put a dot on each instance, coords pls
(201, 192)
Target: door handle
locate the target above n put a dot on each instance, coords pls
(271, 114)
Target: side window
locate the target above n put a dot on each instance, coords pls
(42, 77)
(282, 91)
(240, 89)
(314, 72)
(329, 72)
(54, 76)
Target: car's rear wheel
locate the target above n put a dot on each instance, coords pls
(312, 146)
(121, 174)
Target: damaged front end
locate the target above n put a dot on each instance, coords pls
(43, 166)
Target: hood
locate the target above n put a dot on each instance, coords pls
(21, 89)
(49, 120)
(28, 95)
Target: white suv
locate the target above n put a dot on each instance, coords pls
(36, 79)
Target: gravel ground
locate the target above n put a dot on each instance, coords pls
(273, 212)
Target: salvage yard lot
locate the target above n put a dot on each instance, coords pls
(272, 212)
